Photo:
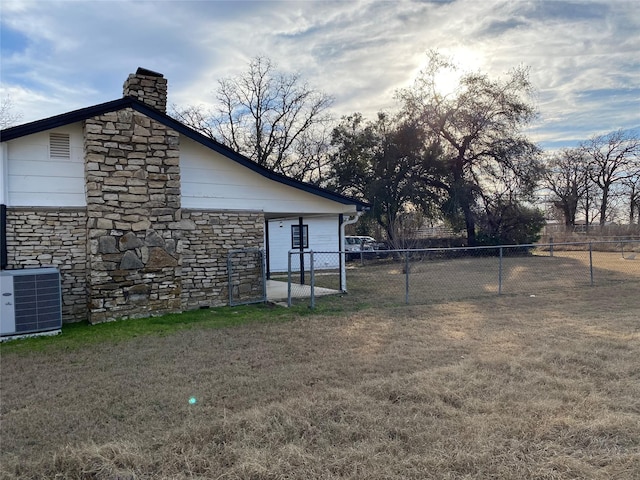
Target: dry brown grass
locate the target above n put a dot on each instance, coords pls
(434, 279)
(506, 387)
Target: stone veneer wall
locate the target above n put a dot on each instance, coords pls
(45, 237)
(58, 237)
(205, 251)
(134, 218)
(150, 89)
(122, 256)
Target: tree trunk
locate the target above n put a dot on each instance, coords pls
(471, 230)
(632, 205)
(465, 199)
(572, 216)
(569, 221)
(603, 206)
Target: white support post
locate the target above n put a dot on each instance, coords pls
(343, 265)
(4, 174)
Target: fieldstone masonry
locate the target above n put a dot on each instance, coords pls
(133, 251)
(148, 87)
(134, 218)
(52, 237)
(205, 250)
(132, 173)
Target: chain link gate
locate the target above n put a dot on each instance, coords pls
(247, 276)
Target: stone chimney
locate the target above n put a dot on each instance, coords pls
(149, 87)
(134, 215)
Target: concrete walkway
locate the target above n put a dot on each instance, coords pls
(278, 291)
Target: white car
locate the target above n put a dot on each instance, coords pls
(353, 245)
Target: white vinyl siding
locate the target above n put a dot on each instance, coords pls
(4, 174)
(38, 172)
(323, 237)
(42, 170)
(210, 180)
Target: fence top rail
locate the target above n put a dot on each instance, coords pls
(453, 249)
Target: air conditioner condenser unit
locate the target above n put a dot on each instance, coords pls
(30, 301)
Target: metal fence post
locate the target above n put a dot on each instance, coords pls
(313, 280)
(406, 269)
(263, 260)
(230, 278)
(500, 273)
(591, 262)
(551, 246)
(289, 281)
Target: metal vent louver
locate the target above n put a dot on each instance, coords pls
(59, 145)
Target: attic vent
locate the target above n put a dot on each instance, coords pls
(59, 145)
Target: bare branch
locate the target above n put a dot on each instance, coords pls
(8, 117)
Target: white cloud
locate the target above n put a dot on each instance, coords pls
(74, 54)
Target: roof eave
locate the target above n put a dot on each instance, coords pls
(130, 102)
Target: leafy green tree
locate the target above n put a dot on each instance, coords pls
(388, 163)
(509, 222)
(479, 130)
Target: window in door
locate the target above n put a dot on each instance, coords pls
(295, 236)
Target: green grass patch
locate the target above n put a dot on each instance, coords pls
(81, 334)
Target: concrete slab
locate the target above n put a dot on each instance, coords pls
(279, 291)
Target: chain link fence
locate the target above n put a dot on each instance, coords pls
(391, 277)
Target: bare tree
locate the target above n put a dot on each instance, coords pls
(274, 118)
(613, 158)
(632, 191)
(196, 117)
(8, 117)
(566, 176)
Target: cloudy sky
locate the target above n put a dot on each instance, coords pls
(584, 56)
